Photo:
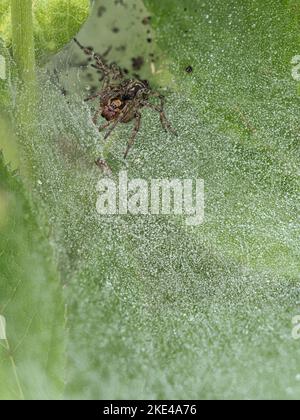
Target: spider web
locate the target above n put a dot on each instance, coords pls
(157, 309)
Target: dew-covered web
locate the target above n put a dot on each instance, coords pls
(156, 308)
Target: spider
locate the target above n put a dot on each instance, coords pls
(121, 100)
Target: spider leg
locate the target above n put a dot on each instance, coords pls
(100, 162)
(106, 82)
(134, 133)
(117, 73)
(103, 166)
(117, 121)
(100, 61)
(166, 123)
(95, 117)
(91, 98)
(104, 126)
(163, 118)
(107, 51)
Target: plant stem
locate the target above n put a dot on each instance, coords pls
(22, 38)
(24, 57)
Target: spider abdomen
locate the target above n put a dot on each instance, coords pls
(109, 113)
(112, 108)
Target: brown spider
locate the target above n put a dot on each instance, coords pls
(121, 100)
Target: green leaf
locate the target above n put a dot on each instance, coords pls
(56, 22)
(157, 309)
(243, 94)
(32, 355)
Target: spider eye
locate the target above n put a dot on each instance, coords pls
(126, 97)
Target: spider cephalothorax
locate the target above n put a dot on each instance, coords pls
(114, 100)
(121, 99)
